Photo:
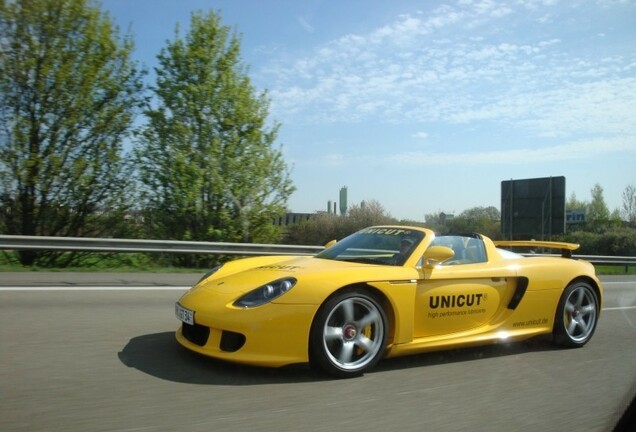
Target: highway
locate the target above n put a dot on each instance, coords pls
(96, 352)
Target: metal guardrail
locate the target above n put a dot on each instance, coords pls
(595, 259)
(10, 242)
(610, 260)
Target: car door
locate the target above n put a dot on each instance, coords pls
(462, 297)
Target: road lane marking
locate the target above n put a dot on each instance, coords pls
(618, 283)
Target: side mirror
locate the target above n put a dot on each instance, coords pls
(436, 255)
(331, 243)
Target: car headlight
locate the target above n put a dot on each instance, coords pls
(208, 274)
(266, 293)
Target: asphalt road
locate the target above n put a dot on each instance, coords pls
(93, 352)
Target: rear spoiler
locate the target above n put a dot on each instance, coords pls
(566, 248)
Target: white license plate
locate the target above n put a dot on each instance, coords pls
(183, 314)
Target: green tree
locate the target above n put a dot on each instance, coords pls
(368, 213)
(320, 229)
(325, 227)
(575, 204)
(598, 215)
(68, 95)
(207, 157)
(629, 205)
(483, 220)
(436, 222)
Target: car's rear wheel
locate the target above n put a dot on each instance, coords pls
(348, 335)
(576, 316)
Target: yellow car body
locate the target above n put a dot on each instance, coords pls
(355, 303)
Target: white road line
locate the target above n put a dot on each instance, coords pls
(619, 283)
(619, 308)
(95, 288)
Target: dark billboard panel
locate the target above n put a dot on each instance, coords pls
(533, 208)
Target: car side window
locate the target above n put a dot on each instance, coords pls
(468, 249)
(475, 250)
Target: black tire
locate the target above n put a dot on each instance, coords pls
(348, 335)
(576, 315)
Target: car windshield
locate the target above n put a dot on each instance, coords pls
(377, 245)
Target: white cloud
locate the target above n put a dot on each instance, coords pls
(424, 68)
(607, 107)
(587, 149)
(305, 24)
(420, 135)
(333, 160)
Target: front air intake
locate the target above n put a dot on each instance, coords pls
(231, 341)
(197, 334)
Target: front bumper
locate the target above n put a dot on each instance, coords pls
(271, 335)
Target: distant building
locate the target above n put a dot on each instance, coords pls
(293, 218)
(444, 217)
(343, 200)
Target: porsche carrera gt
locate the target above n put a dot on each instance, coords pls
(388, 291)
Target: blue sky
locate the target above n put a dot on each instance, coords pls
(427, 106)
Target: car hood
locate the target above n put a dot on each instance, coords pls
(313, 274)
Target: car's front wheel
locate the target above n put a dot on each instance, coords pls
(576, 315)
(348, 335)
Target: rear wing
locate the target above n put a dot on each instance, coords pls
(566, 248)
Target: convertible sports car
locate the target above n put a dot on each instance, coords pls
(384, 292)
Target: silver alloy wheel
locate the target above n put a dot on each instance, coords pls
(353, 333)
(579, 313)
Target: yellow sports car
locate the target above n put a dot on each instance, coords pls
(384, 292)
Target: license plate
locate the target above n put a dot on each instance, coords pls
(183, 314)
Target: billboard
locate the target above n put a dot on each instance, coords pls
(533, 208)
(575, 216)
